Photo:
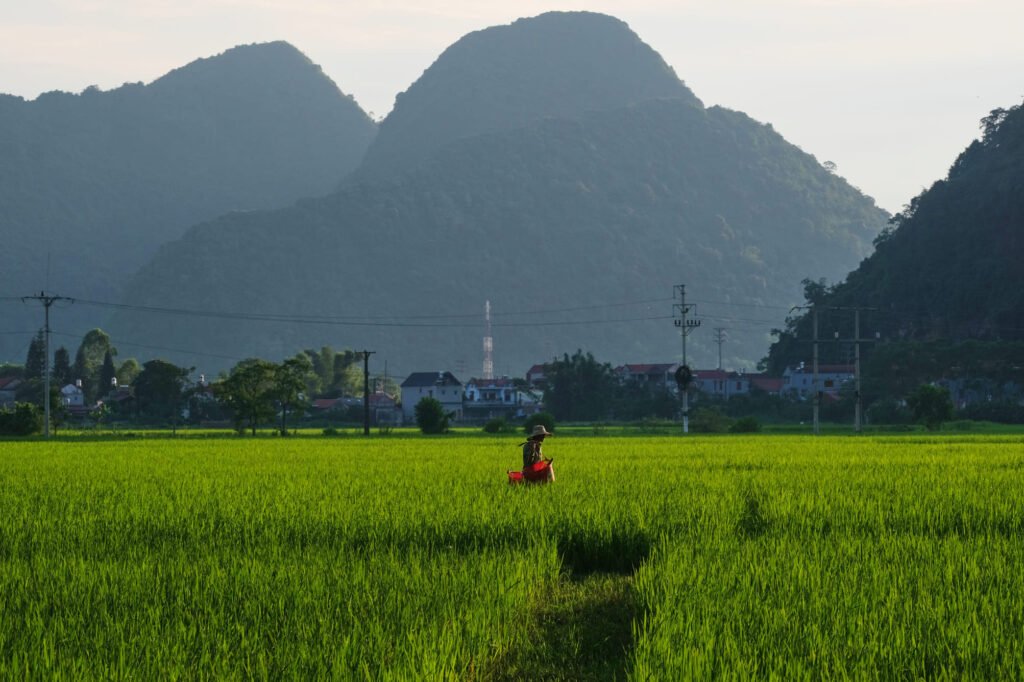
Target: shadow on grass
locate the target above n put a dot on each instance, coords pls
(582, 630)
(582, 624)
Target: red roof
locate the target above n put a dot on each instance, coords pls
(380, 399)
(649, 368)
(713, 374)
(9, 381)
(765, 383)
(325, 403)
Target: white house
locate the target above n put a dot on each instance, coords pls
(799, 380)
(72, 396)
(488, 398)
(442, 386)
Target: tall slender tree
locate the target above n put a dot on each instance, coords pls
(61, 372)
(35, 361)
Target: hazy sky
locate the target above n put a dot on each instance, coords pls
(889, 90)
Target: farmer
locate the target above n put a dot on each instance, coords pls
(532, 453)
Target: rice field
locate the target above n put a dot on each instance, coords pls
(650, 558)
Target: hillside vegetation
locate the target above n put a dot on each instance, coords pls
(949, 265)
(607, 200)
(91, 184)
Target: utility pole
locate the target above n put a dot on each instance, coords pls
(685, 326)
(720, 338)
(47, 300)
(858, 406)
(366, 391)
(814, 381)
(856, 369)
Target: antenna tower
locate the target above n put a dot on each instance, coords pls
(488, 343)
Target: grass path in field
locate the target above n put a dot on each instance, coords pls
(581, 629)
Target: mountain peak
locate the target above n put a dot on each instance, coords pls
(558, 64)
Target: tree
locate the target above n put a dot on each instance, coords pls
(89, 359)
(35, 361)
(290, 381)
(248, 393)
(431, 417)
(107, 374)
(160, 390)
(128, 371)
(61, 372)
(579, 388)
(930, 405)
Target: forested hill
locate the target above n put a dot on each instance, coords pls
(559, 64)
(92, 183)
(576, 215)
(950, 265)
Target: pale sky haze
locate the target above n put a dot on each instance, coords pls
(889, 90)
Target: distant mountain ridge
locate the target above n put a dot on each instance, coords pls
(564, 206)
(500, 78)
(91, 184)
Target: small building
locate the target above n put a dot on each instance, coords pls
(485, 399)
(384, 409)
(72, 396)
(721, 383)
(799, 380)
(660, 375)
(442, 386)
(535, 377)
(8, 390)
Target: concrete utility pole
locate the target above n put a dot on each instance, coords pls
(720, 338)
(858, 407)
(47, 301)
(814, 381)
(685, 327)
(366, 391)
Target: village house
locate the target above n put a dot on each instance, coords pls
(535, 376)
(8, 390)
(725, 384)
(661, 375)
(442, 386)
(799, 380)
(490, 398)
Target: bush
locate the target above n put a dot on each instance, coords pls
(745, 425)
(498, 425)
(707, 420)
(24, 420)
(888, 411)
(431, 417)
(545, 418)
(331, 431)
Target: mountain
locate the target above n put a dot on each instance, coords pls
(575, 214)
(559, 65)
(91, 184)
(949, 265)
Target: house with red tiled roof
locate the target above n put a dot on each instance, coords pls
(535, 376)
(651, 374)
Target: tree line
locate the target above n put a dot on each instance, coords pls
(253, 393)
